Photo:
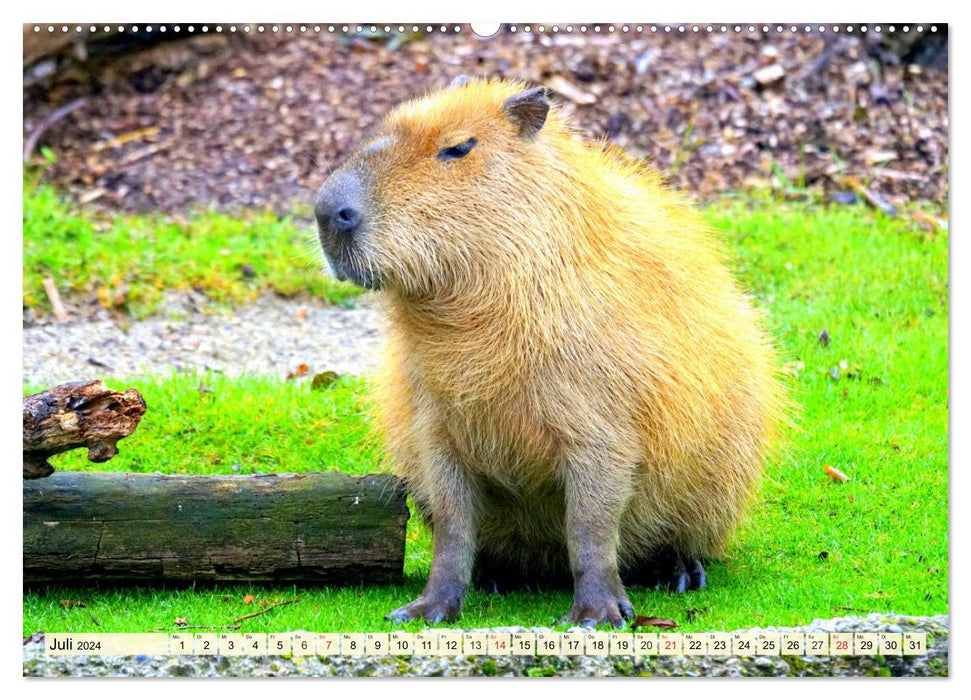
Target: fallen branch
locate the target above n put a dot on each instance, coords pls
(265, 610)
(195, 627)
(52, 119)
(76, 415)
(57, 306)
(127, 137)
(143, 153)
(869, 196)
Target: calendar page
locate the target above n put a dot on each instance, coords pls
(567, 349)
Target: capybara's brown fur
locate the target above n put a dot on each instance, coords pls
(574, 384)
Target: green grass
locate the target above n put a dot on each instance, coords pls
(811, 547)
(211, 424)
(127, 262)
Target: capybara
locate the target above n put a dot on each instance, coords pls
(575, 388)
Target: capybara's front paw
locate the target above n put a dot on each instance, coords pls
(430, 608)
(600, 608)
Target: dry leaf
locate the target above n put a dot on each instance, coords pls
(835, 474)
(793, 368)
(876, 157)
(249, 599)
(91, 195)
(933, 222)
(659, 622)
(565, 88)
(770, 74)
(301, 370)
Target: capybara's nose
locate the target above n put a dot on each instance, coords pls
(338, 206)
(346, 220)
(341, 218)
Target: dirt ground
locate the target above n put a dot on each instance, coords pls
(231, 121)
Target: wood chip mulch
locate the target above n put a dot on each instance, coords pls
(257, 120)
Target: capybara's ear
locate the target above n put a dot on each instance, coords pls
(528, 110)
(459, 81)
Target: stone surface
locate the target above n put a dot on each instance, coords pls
(935, 663)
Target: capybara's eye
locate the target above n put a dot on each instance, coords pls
(458, 151)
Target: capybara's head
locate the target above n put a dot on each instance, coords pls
(449, 186)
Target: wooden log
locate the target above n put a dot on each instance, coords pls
(78, 414)
(321, 528)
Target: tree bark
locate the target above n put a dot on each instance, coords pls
(322, 528)
(76, 415)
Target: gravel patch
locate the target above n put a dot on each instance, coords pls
(272, 336)
(935, 663)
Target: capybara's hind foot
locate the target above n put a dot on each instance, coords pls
(669, 569)
(687, 574)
